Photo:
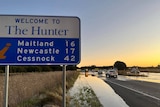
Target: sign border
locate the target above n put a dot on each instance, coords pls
(1, 63)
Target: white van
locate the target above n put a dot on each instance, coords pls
(112, 73)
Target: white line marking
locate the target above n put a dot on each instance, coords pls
(136, 91)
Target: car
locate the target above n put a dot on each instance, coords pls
(112, 73)
(93, 73)
(100, 72)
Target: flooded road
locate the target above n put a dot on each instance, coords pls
(105, 94)
(151, 77)
(137, 91)
(124, 90)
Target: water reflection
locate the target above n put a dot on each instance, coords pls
(152, 77)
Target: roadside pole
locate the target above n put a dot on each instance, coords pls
(6, 86)
(64, 86)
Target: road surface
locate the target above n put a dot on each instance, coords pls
(137, 93)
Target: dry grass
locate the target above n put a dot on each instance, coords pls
(25, 86)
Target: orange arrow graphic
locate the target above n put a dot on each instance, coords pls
(4, 50)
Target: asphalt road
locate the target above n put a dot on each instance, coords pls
(137, 93)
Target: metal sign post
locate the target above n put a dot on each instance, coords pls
(64, 86)
(6, 86)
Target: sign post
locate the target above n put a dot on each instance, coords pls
(6, 86)
(39, 40)
(64, 86)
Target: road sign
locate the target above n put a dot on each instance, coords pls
(39, 40)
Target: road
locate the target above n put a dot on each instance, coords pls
(137, 93)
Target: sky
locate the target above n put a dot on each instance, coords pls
(111, 30)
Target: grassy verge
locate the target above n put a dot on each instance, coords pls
(85, 98)
(35, 89)
(51, 96)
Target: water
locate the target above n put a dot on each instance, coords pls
(152, 77)
(105, 94)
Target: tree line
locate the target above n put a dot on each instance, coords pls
(42, 68)
(120, 65)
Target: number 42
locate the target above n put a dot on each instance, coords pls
(69, 58)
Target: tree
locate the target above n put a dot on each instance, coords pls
(71, 67)
(120, 65)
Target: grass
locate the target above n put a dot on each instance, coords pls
(85, 98)
(36, 89)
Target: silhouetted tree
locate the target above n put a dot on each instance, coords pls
(71, 67)
(120, 65)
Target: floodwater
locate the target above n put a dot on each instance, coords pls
(103, 91)
(151, 77)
